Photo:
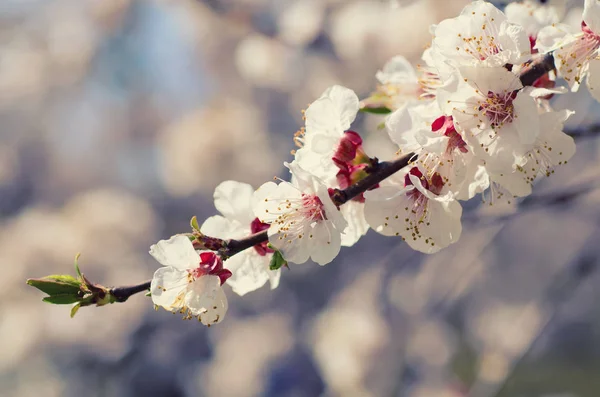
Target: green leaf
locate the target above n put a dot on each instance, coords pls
(56, 284)
(77, 264)
(376, 110)
(75, 308)
(277, 261)
(61, 299)
(194, 223)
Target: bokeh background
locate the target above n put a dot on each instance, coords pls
(119, 117)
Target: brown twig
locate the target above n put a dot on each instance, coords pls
(536, 69)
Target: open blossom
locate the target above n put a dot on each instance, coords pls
(497, 116)
(399, 85)
(417, 211)
(189, 283)
(534, 15)
(334, 154)
(481, 36)
(552, 147)
(249, 268)
(327, 119)
(440, 148)
(576, 52)
(305, 223)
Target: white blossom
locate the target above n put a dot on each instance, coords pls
(481, 36)
(416, 211)
(497, 117)
(327, 119)
(189, 283)
(305, 223)
(576, 51)
(532, 15)
(249, 268)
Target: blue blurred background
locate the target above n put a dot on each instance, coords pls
(119, 117)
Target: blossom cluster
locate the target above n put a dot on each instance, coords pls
(465, 120)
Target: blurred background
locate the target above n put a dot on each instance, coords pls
(119, 117)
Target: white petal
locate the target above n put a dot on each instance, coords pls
(295, 250)
(591, 15)
(526, 120)
(444, 227)
(177, 251)
(593, 79)
(233, 199)
(224, 228)
(496, 79)
(354, 214)
(397, 71)
(333, 112)
(168, 287)
(383, 207)
(274, 276)
(331, 211)
(326, 243)
(250, 271)
(268, 197)
(206, 298)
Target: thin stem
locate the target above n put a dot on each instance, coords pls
(121, 294)
(231, 247)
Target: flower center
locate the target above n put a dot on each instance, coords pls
(576, 55)
(433, 184)
(499, 108)
(483, 46)
(313, 207)
(210, 263)
(445, 125)
(296, 215)
(429, 81)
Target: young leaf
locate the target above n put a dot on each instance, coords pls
(277, 261)
(75, 308)
(61, 299)
(376, 110)
(77, 264)
(194, 223)
(56, 284)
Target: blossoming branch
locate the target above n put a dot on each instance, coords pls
(475, 118)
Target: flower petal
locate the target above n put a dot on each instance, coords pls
(177, 251)
(205, 298)
(168, 287)
(233, 199)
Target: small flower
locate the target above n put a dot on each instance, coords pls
(399, 85)
(189, 283)
(305, 223)
(249, 268)
(481, 36)
(534, 15)
(576, 52)
(327, 120)
(426, 219)
(439, 146)
(497, 118)
(552, 147)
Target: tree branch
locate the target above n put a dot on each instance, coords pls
(231, 247)
(379, 171)
(537, 68)
(121, 294)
